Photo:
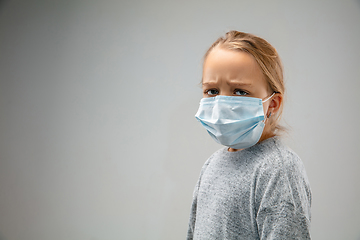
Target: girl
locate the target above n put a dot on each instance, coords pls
(255, 187)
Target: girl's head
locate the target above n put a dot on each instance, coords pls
(241, 64)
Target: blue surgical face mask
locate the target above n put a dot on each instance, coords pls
(236, 122)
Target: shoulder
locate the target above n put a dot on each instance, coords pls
(280, 168)
(276, 156)
(213, 158)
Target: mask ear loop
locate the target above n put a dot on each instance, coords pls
(269, 97)
(269, 115)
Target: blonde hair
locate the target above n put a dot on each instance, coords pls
(267, 58)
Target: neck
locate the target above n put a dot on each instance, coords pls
(265, 136)
(233, 149)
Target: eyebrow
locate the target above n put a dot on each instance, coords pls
(232, 84)
(208, 83)
(240, 84)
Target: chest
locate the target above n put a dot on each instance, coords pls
(228, 184)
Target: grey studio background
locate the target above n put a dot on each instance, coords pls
(98, 138)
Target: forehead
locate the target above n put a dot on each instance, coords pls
(232, 65)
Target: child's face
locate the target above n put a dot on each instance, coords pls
(233, 73)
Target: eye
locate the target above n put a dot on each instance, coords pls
(240, 92)
(212, 92)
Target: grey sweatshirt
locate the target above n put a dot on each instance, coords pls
(261, 192)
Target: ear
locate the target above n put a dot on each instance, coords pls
(275, 103)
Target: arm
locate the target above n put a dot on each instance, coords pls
(190, 233)
(192, 220)
(284, 199)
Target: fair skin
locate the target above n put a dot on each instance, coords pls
(236, 73)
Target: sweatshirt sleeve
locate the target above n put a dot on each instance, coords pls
(283, 199)
(192, 220)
